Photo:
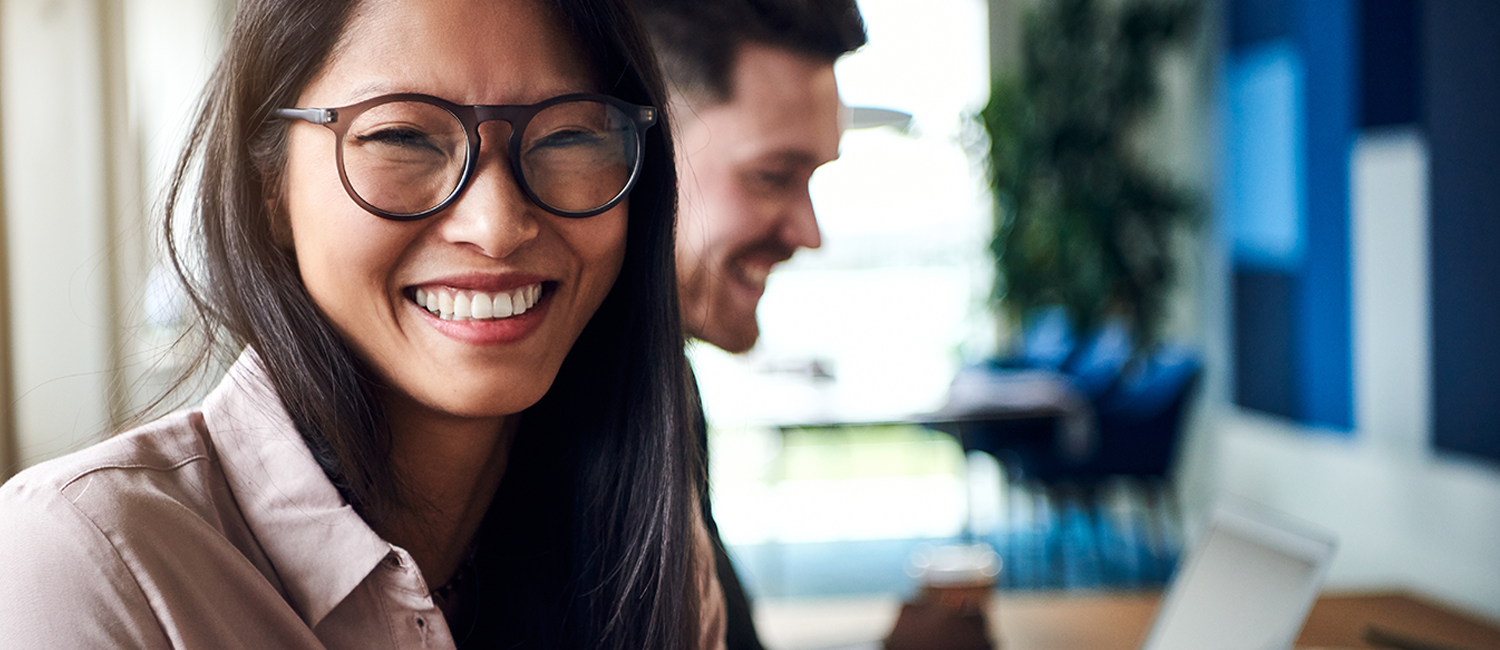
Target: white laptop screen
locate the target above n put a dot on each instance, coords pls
(1247, 585)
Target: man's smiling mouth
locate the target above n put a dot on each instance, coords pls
(461, 305)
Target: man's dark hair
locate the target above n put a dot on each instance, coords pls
(697, 41)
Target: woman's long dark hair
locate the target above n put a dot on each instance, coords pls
(590, 540)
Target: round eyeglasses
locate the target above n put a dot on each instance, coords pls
(408, 156)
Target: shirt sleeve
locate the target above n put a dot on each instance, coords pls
(62, 585)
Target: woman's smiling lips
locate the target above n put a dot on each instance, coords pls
(477, 311)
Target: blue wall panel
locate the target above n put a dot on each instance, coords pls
(1461, 88)
(1265, 206)
(1390, 88)
(1264, 341)
(1325, 35)
(1293, 105)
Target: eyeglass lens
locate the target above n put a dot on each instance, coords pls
(406, 157)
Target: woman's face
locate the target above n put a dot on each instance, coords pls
(364, 272)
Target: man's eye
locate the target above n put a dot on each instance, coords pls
(774, 180)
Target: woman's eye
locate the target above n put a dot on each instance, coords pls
(399, 137)
(567, 139)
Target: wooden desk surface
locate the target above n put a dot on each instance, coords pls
(1343, 619)
(1120, 622)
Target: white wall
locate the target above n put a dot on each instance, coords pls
(1389, 246)
(1410, 521)
(170, 47)
(52, 100)
(94, 99)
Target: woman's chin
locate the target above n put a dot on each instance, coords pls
(469, 402)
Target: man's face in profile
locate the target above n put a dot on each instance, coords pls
(744, 166)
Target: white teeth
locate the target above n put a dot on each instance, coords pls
(483, 306)
(450, 304)
(503, 307)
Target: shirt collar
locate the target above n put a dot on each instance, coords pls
(320, 547)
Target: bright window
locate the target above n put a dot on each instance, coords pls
(890, 306)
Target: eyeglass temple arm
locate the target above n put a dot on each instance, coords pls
(645, 116)
(314, 115)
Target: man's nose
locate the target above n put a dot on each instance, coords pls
(799, 228)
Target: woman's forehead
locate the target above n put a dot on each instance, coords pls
(466, 51)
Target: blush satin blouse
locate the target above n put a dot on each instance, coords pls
(214, 528)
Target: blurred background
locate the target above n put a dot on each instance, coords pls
(1231, 248)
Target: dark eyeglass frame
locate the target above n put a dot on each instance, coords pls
(339, 119)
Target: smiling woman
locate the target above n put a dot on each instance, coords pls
(438, 235)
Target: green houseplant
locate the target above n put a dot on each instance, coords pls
(1081, 222)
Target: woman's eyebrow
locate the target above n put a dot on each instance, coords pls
(378, 87)
(371, 89)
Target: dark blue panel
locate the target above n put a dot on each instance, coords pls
(1461, 74)
(1390, 86)
(1264, 379)
(1252, 22)
(1325, 34)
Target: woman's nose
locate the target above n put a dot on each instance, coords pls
(494, 215)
